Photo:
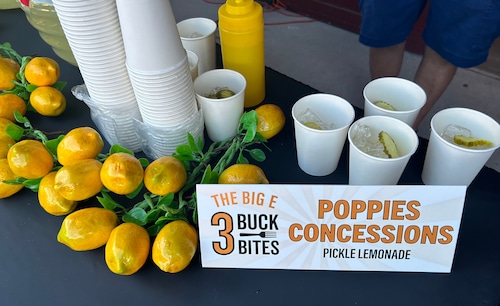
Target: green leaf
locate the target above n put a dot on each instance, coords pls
(21, 119)
(167, 200)
(250, 135)
(52, 144)
(195, 216)
(260, 138)
(32, 184)
(183, 150)
(209, 176)
(144, 162)
(136, 191)
(40, 136)
(257, 154)
(108, 202)
(184, 157)
(192, 144)
(249, 119)
(31, 87)
(154, 229)
(242, 159)
(171, 217)
(153, 215)
(59, 85)
(200, 144)
(14, 131)
(117, 148)
(136, 215)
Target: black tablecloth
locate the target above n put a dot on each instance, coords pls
(37, 270)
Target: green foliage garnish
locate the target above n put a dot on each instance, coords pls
(154, 211)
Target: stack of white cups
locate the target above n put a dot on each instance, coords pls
(160, 76)
(93, 32)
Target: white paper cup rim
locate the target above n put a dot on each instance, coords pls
(395, 121)
(338, 99)
(414, 85)
(210, 28)
(496, 143)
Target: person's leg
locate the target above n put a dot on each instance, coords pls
(434, 75)
(454, 38)
(386, 61)
(385, 26)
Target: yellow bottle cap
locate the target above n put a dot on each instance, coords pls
(241, 16)
(239, 7)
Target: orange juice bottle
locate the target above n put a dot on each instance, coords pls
(241, 28)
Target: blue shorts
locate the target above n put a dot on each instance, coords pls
(461, 31)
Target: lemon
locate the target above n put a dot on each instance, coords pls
(42, 71)
(87, 228)
(30, 159)
(48, 101)
(122, 173)
(174, 246)
(6, 174)
(271, 120)
(79, 143)
(165, 175)
(243, 174)
(8, 71)
(80, 180)
(127, 248)
(51, 200)
(10, 103)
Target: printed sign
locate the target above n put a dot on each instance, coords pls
(330, 227)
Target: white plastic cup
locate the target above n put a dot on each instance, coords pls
(365, 169)
(318, 151)
(193, 63)
(222, 116)
(449, 164)
(150, 34)
(198, 35)
(405, 96)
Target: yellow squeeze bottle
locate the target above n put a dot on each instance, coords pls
(241, 29)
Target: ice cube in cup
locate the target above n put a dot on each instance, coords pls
(451, 164)
(195, 35)
(461, 136)
(363, 140)
(390, 144)
(318, 150)
(451, 130)
(310, 119)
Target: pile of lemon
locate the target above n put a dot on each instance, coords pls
(77, 170)
(75, 174)
(36, 78)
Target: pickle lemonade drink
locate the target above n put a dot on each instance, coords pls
(379, 150)
(394, 97)
(321, 122)
(461, 142)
